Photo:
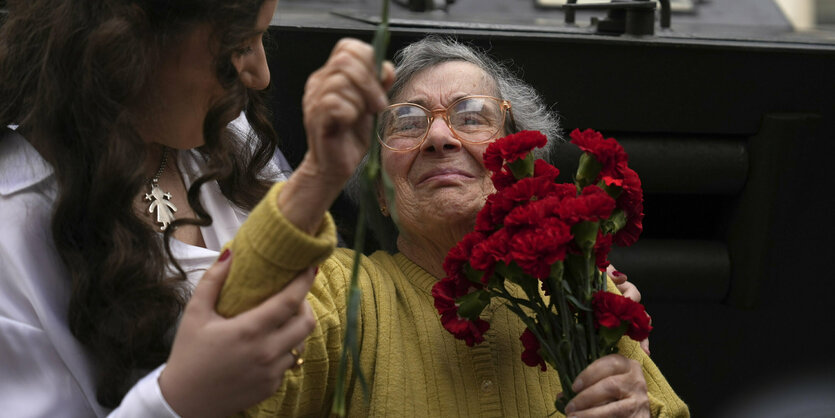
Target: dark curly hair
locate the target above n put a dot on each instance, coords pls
(69, 70)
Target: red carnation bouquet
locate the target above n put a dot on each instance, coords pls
(542, 247)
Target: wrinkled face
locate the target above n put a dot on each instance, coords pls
(187, 85)
(444, 181)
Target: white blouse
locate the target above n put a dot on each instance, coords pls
(44, 370)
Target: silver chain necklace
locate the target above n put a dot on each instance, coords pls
(160, 200)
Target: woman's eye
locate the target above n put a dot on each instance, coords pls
(244, 50)
(406, 124)
(249, 45)
(470, 119)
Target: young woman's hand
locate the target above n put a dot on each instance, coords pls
(219, 366)
(629, 290)
(612, 386)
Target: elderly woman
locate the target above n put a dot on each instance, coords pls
(414, 367)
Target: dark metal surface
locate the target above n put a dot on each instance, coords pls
(718, 20)
(684, 270)
(677, 164)
(623, 17)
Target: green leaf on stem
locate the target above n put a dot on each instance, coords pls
(613, 191)
(511, 270)
(587, 171)
(472, 274)
(575, 279)
(577, 304)
(585, 234)
(616, 222)
(566, 287)
(517, 302)
(471, 304)
(529, 284)
(522, 167)
(557, 270)
(610, 336)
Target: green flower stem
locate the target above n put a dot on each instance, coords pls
(590, 272)
(350, 343)
(350, 346)
(566, 364)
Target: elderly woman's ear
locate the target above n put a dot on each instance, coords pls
(251, 64)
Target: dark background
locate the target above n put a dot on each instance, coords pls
(728, 118)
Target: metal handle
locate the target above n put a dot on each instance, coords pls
(632, 17)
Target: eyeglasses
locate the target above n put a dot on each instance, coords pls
(473, 119)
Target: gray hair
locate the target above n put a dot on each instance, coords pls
(528, 109)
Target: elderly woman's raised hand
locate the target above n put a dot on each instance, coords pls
(339, 102)
(612, 386)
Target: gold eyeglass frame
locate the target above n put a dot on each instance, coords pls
(431, 114)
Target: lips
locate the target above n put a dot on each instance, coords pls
(444, 174)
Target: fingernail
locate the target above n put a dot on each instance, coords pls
(616, 273)
(569, 408)
(577, 386)
(226, 253)
(316, 271)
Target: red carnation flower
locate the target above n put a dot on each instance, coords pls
(563, 190)
(611, 310)
(536, 249)
(602, 246)
(631, 201)
(471, 331)
(492, 158)
(607, 151)
(593, 205)
(531, 214)
(541, 168)
(460, 255)
(502, 179)
(529, 188)
(530, 355)
(492, 215)
(611, 181)
(493, 249)
(512, 148)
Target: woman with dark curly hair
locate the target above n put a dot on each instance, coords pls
(126, 165)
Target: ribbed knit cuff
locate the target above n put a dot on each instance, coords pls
(267, 252)
(275, 238)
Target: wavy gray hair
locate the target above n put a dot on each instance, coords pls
(528, 109)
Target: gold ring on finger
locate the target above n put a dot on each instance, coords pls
(298, 356)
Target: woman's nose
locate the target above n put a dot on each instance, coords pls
(440, 137)
(253, 70)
